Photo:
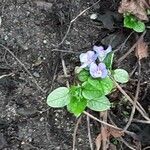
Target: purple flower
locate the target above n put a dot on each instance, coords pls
(101, 52)
(87, 58)
(98, 71)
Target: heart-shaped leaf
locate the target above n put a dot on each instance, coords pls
(77, 105)
(121, 75)
(83, 75)
(104, 85)
(99, 104)
(90, 92)
(139, 26)
(132, 22)
(59, 97)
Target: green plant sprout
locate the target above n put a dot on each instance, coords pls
(130, 21)
(94, 82)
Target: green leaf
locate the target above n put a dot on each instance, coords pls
(129, 21)
(121, 75)
(132, 22)
(83, 75)
(90, 92)
(75, 91)
(139, 27)
(99, 104)
(105, 85)
(59, 97)
(109, 60)
(77, 105)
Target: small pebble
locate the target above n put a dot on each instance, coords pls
(58, 148)
(67, 42)
(93, 16)
(30, 139)
(6, 37)
(36, 74)
(44, 41)
(42, 119)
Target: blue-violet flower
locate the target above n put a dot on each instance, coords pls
(101, 52)
(98, 71)
(87, 58)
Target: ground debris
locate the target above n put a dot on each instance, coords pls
(141, 50)
(115, 133)
(98, 141)
(2, 141)
(108, 19)
(107, 133)
(44, 5)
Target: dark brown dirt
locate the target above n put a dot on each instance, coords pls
(31, 30)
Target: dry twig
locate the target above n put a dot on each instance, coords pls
(103, 115)
(120, 47)
(130, 100)
(131, 49)
(54, 76)
(148, 147)
(103, 122)
(64, 70)
(73, 20)
(79, 119)
(141, 121)
(107, 124)
(135, 99)
(29, 73)
(75, 132)
(89, 133)
(127, 144)
(6, 75)
(132, 134)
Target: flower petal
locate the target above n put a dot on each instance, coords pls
(90, 53)
(100, 52)
(87, 58)
(92, 56)
(84, 65)
(98, 48)
(102, 67)
(101, 56)
(93, 69)
(104, 73)
(83, 57)
(109, 49)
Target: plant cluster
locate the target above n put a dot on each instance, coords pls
(94, 83)
(136, 14)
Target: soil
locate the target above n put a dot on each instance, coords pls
(31, 30)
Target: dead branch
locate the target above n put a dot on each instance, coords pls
(28, 72)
